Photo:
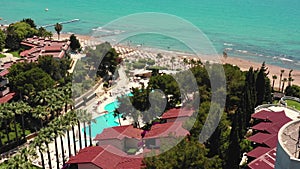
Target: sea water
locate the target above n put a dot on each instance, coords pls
(253, 29)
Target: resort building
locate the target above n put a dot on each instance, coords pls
(104, 157)
(267, 122)
(5, 94)
(37, 46)
(177, 114)
(288, 148)
(122, 137)
(163, 132)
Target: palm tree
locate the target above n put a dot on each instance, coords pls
(90, 120)
(38, 142)
(45, 138)
(40, 113)
(61, 133)
(12, 115)
(72, 122)
(82, 117)
(79, 115)
(54, 128)
(5, 118)
(69, 142)
(283, 82)
(280, 79)
(274, 77)
(67, 96)
(58, 27)
(21, 108)
(290, 79)
(117, 114)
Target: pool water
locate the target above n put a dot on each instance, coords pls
(105, 121)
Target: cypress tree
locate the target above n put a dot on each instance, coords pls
(233, 152)
(261, 84)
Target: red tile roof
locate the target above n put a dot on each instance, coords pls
(271, 127)
(258, 151)
(119, 133)
(165, 129)
(266, 161)
(269, 140)
(107, 157)
(40, 46)
(7, 97)
(4, 72)
(174, 113)
(269, 115)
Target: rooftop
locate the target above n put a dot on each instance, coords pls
(41, 46)
(165, 129)
(107, 157)
(120, 132)
(266, 161)
(271, 116)
(7, 97)
(174, 113)
(269, 140)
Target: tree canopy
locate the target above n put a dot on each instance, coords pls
(2, 40)
(18, 31)
(74, 45)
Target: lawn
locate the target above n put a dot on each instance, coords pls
(293, 104)
(2, 56)
(15, 54)
(4, 166)
(12, 133)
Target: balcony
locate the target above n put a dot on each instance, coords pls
(4, 91)
(3, 81)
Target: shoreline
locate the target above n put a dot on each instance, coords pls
(242, 63)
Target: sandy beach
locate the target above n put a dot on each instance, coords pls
(242, 63)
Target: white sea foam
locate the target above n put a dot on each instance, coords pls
(285, 59)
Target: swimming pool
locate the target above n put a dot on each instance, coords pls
(105, 121)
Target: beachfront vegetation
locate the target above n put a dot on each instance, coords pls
(16, 32)
(75, 44)
(2, 40)
(42, 32)
(293, 90)
(58, 28)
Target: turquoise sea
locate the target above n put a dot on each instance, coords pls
(257, 30)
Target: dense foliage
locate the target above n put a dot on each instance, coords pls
(29, 78)
(74, 45)
(293, 90)
(16, 32)
(2, 40)
(228, 140)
